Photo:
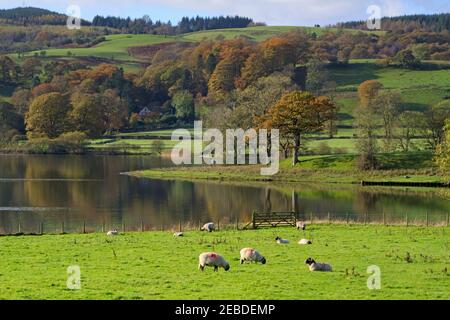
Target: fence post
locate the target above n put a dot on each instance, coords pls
(103, 226)
(253, 220)
(20, 226)
(218, 224)
(41, 227)
(84, 226)
(62, 227)
(311, 218)
(347, 217)
(199, 226)
(237, 223)
(406, 218)
(384, 218)
(179, 225)
(329, 218)
(365, 218)
(142, 225)
(426, 218)
(123, 226)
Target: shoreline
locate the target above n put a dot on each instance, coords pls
(311, 221)
(394, 178)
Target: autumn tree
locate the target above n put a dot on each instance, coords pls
(298, 113)
(368, 91)
(87, 114)
(48, 115)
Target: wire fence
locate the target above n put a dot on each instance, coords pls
(22, 226)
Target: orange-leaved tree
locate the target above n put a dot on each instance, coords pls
(298, 113)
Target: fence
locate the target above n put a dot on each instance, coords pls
(37, 227)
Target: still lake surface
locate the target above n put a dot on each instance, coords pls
(70, 192)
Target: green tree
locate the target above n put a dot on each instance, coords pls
(184, 104)
(406, 58)
(442, 155)
(48, 115)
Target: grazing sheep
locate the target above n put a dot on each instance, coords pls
(305, 241)
(316, 266)
(178, 234)
(212, 259)
(112, 232)
(210, 227)
(281, 241)
(251, 255)
(300, 225)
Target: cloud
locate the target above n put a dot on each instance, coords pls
(274, 12)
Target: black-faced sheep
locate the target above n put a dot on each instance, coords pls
(300, 225)
(316, 266)
(210, 227)
(281, 241)
(251, 255)
(112, 232)
(305, 241)
(212, 259)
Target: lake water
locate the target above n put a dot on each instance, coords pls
(75, 192)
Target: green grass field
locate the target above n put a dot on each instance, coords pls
(414, 264)
(418, 88)
(114, 48)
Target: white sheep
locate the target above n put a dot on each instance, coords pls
(210, 227)
(112, 232)
(212, 259)
(300, 225)
(178, 234)
(305, 241)
(316, 266)
(251, 255)
(281, 241)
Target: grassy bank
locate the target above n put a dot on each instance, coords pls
(332, 169)
(414, 264)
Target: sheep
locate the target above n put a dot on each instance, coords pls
(210, 227)
(178, 234)
(316, 266)
(300, 225)
(112, 232)
(251, 255)
(281, 241)
(305, 241)
(212, 259)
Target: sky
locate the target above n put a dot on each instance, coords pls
(273, 12)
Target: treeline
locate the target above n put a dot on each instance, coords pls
(34, 16)
(407, 23)
(31, 38)
(224, 82)
(146, 25)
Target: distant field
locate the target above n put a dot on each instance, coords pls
(418, 88)
(114, 48)
(413, 262)
(257, 33)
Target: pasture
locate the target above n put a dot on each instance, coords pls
(414, 263)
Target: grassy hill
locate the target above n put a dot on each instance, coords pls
(116, 46)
